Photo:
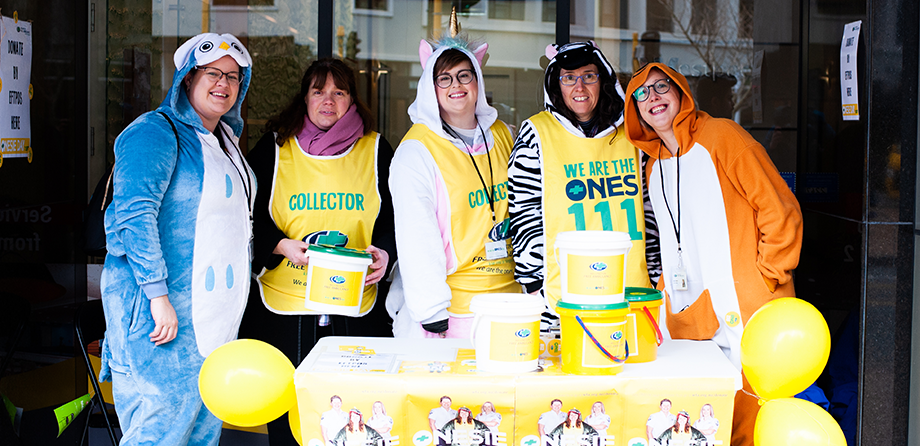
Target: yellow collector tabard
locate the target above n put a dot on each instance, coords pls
(471, 220)
(314, 201)
(590, 184)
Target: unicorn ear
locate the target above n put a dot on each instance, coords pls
(551, 51)
(480, 53)
(424, 52)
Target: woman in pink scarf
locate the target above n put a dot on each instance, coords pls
(323, 176)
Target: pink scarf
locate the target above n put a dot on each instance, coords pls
(334, 141)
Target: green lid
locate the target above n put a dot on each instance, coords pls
(636, 294)
(592, 307)
(339, 251)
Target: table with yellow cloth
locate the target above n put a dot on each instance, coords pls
(410, 376)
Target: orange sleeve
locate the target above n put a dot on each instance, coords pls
(778, 217)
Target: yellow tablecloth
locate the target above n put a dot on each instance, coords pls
(411, 376)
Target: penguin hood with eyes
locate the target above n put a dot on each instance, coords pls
(199, 51)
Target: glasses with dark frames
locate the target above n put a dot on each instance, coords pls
(445, 80)
(660, 86)
(214, 75)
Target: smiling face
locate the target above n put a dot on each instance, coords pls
(665, 406)
(581, 98)
(706, 411)
(573, 416)
(326, 105)
(445, 403)
(464, 414)
(487, 408)
(210, 99)
(682, 420)
(556, 406)
(659, 110)
(355, 418)
(457, 102)
(597, 407)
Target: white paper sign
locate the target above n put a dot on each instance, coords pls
(849, 91)
(15, 88)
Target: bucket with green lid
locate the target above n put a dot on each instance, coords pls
(335, 279)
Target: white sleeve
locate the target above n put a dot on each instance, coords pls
(414, 183)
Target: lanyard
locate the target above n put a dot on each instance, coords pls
(676, 224)
(469, 151)
(247, 181)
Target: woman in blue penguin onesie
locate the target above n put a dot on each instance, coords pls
(176, 277)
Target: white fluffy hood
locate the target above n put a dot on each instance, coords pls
(425, 108)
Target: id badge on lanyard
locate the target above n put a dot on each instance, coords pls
(498, 241)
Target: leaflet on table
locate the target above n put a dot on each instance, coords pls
(355, 360)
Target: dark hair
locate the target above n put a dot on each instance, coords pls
(676, 426)
(448, 59)
(290, 121)
(609, 103)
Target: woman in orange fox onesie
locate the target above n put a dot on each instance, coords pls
(731, 230)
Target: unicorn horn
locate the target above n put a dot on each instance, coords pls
(454, 23)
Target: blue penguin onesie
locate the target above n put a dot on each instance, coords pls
(180, 225)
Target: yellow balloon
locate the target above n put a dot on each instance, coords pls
(784, 347)
(247, 383)
(294, 421)
(795, 422)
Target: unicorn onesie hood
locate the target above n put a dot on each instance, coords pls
(427, 240)
(179, 225)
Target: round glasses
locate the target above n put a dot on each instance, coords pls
(660, 86)
(588, 78)
(214, 75)
(446, 80)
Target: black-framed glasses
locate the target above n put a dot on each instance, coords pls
(660, 86)
(570, 79)
(445, 80)
(214, 75)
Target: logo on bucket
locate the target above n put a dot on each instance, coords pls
(617, 335)
(337, 279)
(522, 333)
(598, 266)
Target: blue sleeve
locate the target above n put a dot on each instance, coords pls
(145, 157)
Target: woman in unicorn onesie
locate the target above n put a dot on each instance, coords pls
(176, 277)
(449, 180)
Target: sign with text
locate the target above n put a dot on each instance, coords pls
(849, 91)
(15, 88)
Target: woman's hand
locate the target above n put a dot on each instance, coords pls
(167, 324)
(381, 259)
(293, 250)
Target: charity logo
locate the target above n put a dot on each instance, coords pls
(334, 238)
(575, 190)
(617, 335)
(598, 266)
(337, 279)
(500, 230)
(522, 333)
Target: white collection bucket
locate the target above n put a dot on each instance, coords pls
(592, 266)
(335, 279)
(506, 331)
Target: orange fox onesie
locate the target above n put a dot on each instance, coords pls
(740, 227)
